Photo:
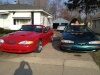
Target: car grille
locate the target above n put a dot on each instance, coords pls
(81, 43)
(11, 42)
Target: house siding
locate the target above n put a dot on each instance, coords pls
(1, 21)
(45, 20)
(24, 14)
(37, 18)
(5, 20)
(96, 26)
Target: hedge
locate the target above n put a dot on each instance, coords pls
(6, 31)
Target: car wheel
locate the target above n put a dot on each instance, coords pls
(61, 48)
(39, 46)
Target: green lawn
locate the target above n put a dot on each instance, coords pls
(1, 34)
(96, 56)
(1, 53)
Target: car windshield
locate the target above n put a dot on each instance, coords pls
(31, 28)
(77, 28)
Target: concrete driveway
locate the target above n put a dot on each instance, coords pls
(51, 61)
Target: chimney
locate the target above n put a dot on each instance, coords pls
(15, 2)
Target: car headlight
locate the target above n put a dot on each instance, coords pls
(94, 42)
(67, 41)
(26, 42)
(1, 41)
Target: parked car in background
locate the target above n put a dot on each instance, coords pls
(79, 38)
(29, 38)
(61, 27)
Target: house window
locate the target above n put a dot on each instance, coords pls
(21, 21)
(14, 21)
(13, 13)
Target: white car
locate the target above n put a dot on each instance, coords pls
(61, 27)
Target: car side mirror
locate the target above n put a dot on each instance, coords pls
(45, 30)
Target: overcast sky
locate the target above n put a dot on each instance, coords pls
(12, 1)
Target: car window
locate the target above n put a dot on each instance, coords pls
(31, 28)
(48, 28)
(27, 28)
(78, 28)
(38, 29)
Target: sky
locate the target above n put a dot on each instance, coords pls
(12, 1)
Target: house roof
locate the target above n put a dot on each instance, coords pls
(61, 20)
(21, 7)
(15, 6)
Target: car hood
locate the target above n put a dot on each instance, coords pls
(79, 37)
(20, 35)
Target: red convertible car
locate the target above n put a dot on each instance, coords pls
(29, 38)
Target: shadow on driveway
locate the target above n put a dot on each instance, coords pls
(56, 43)
(24, 69)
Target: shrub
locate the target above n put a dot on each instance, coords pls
(1, 30)
(6, 31)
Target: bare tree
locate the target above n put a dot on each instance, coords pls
(30, 2)
(54, 8)
(1, 3)
(7, 2)
(65, 14)
(43, 4)
(86, 6)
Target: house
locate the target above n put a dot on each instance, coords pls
(96, 23)
(12, 16)
(59, 21)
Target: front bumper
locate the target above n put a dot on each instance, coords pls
(17, 48)
(80, 48)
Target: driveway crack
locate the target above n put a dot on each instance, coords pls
(63, 67)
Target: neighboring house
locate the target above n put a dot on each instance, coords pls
(96, 23)
(12, 16)
(59, 21)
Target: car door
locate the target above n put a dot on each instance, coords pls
(45, 36)
(50, 33)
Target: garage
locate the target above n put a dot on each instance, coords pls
(55, 25)
(60, 21)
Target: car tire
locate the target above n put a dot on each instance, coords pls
(39, 47)
(61, 48)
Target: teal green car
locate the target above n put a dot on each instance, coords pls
(79, 38)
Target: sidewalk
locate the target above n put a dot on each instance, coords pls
(47, 66)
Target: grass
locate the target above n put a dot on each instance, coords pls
(1, 53)
(96, 56)
(1, 35)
